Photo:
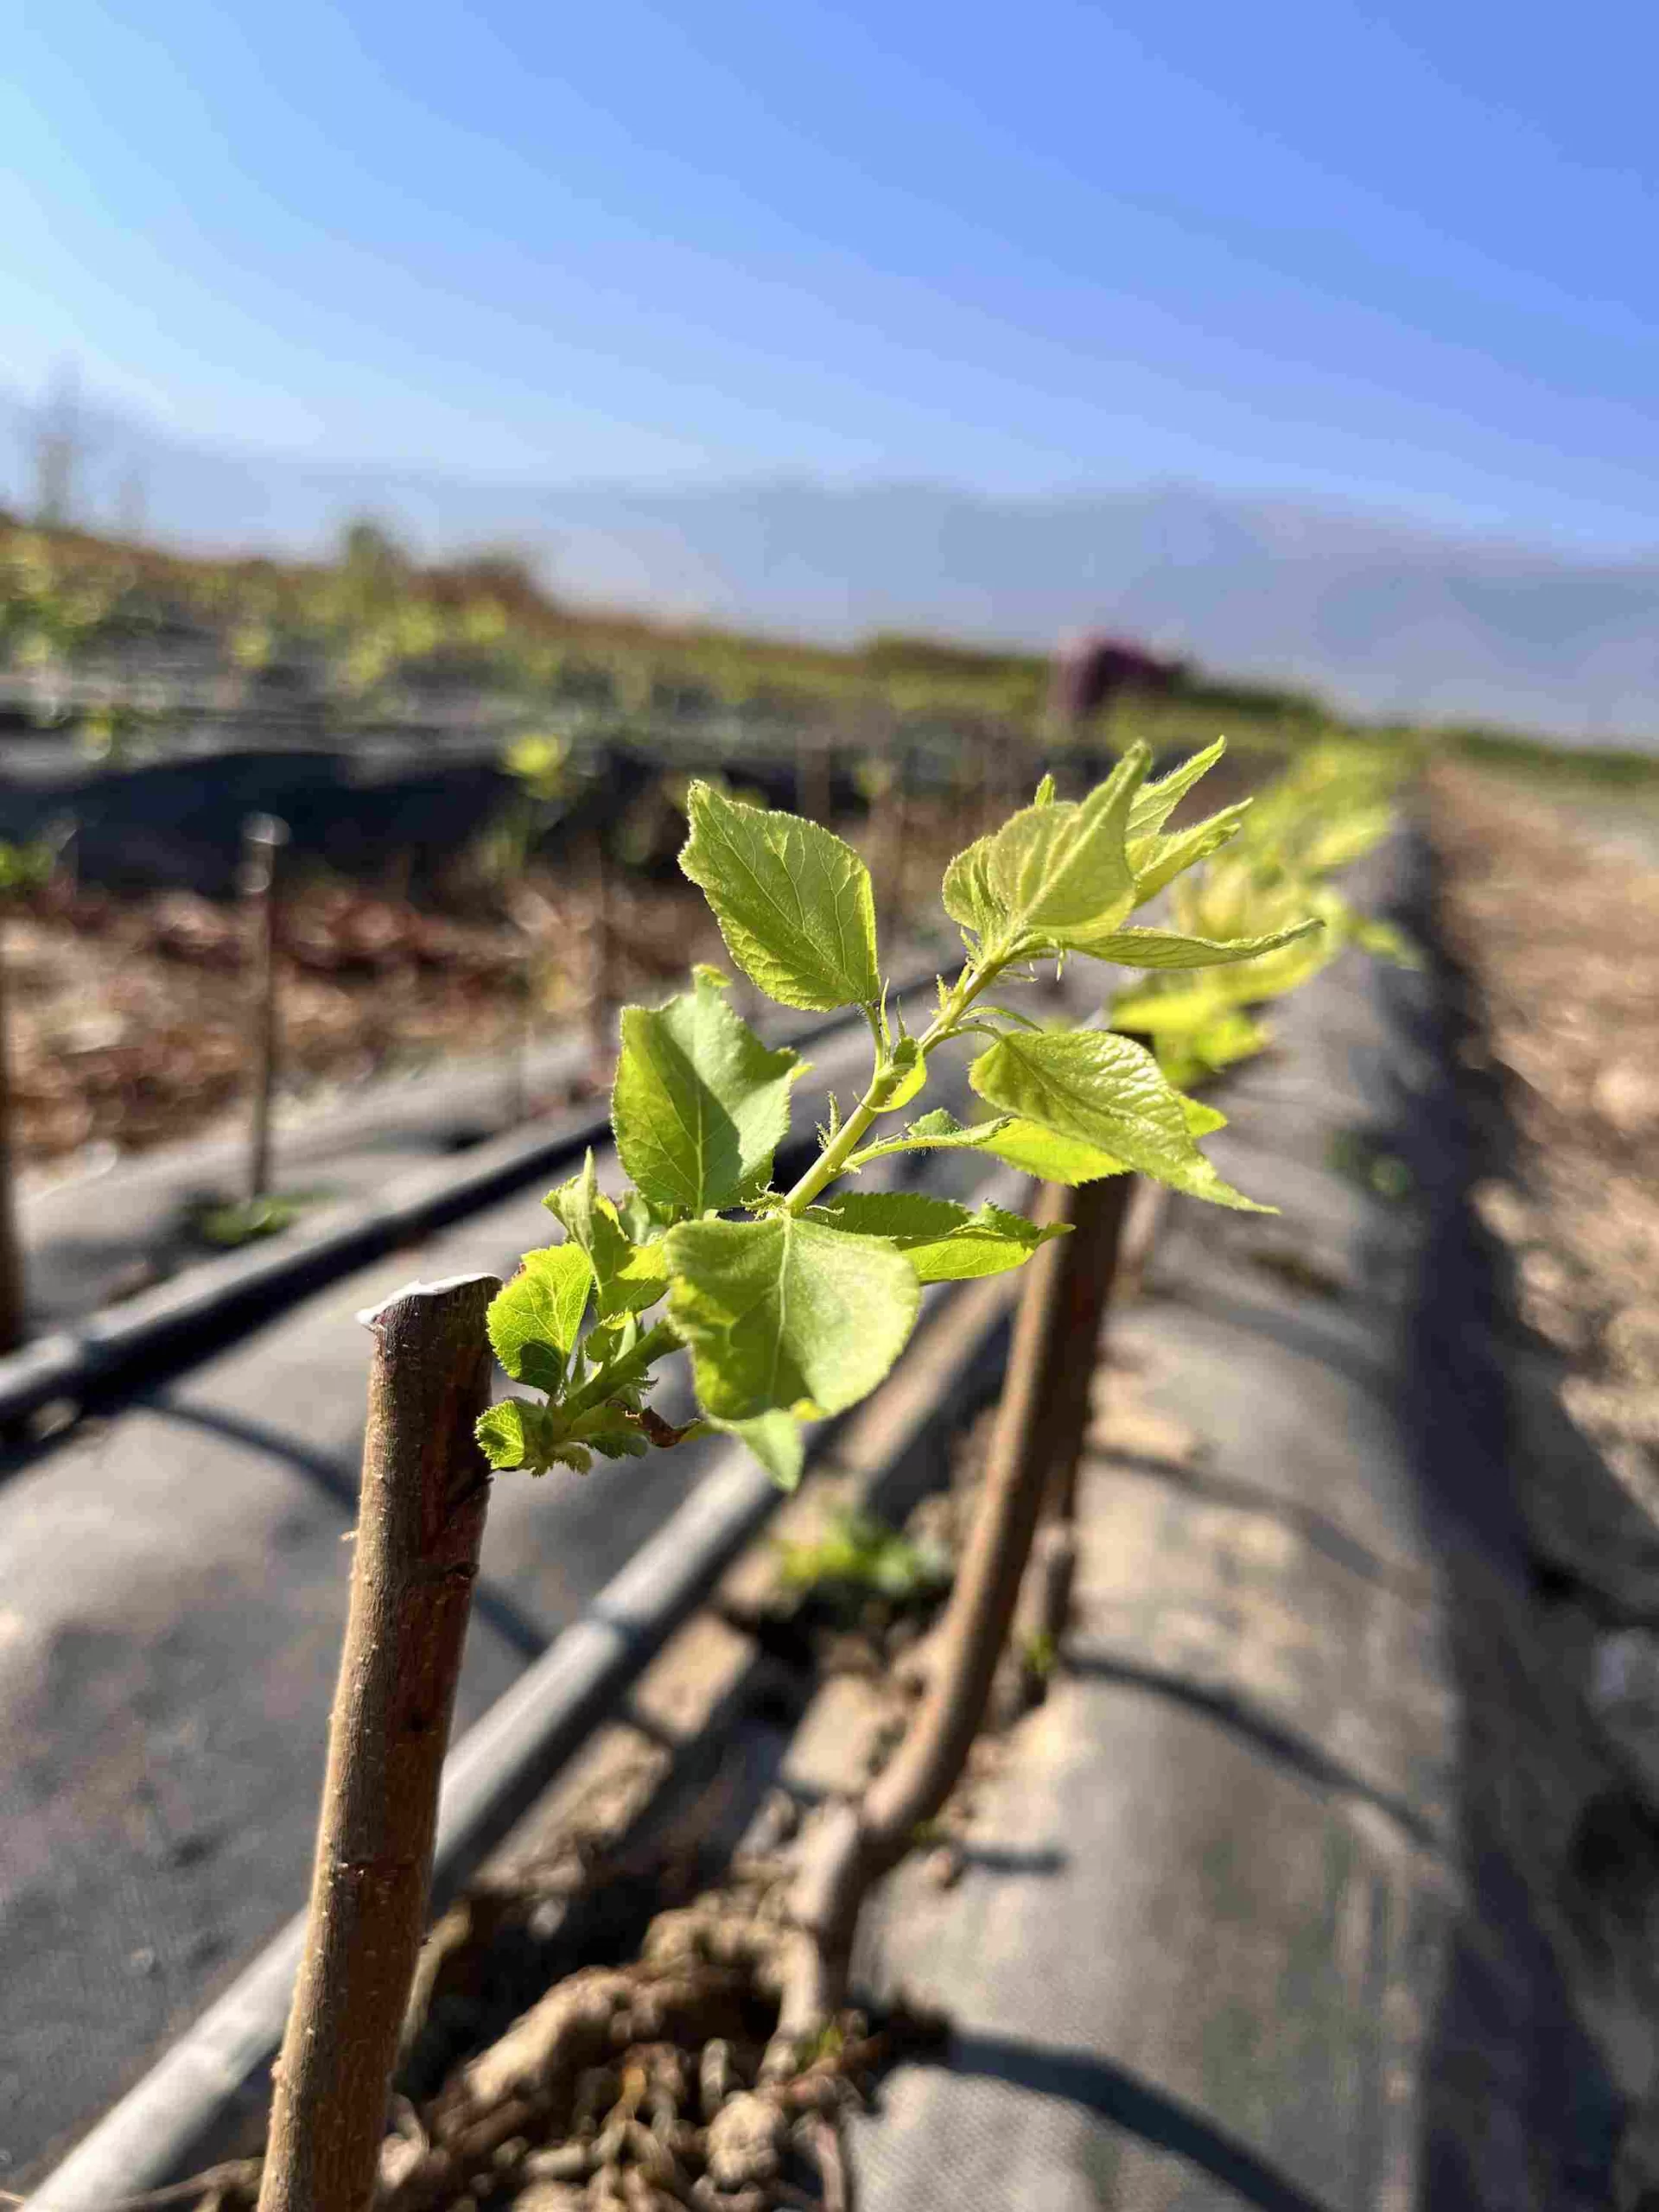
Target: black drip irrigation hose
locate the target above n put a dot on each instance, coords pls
(178, 1323)
(190, 2107)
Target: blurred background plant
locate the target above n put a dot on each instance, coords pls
(858, 1557)
(1330, 807)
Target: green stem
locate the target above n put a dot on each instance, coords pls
(832, 1161)
(970, 1140)
(835, 1156)
(658, 1339)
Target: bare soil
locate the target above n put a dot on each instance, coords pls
(1555, 916)
(128, 1018)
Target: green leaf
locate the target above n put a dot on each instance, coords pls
(909, 1074)
(793, 902)
(1021, 1144)
(1338, 844)
(641, 1281)
(1231, 1036)
(1197, 1031)
(25, 868)
(943, 1242)
(1192, 1056)
(938, 1129)
(573, 1204)
(1039, 1151)
(776, 1440)
(1272, 975)
(620, 1355)
(639, 1218)
(607, 1429)
(1106, 1091)
(500, 1434)
(1169, 949)
(699, 1104)
(1277, 974)
(1061, 872)
(968, 896)
(941, 1122)
(785, 1315)
(518, 1434)
(860, 1554)
(1157, 861)
(1169, 1013)
(1386, 940)
(1155, 802)
(534, 1321)
(1220, 903)
(627, 1277)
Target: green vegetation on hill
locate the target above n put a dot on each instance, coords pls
(1617, 765)
(372, 629)
(372, 635)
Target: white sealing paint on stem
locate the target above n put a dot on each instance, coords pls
(370, 1315)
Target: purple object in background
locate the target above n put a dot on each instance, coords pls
(1091, 670)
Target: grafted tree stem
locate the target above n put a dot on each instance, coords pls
(1041, 1426)
(421, 1521)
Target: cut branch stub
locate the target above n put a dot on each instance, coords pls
(425, 1489)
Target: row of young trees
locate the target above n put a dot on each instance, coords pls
(509, 863)
(792, 1304)
(27, 869)
(373, 627)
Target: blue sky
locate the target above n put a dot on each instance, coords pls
(1402, 256)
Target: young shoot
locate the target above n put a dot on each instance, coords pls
(1318, 817)
(794, 1303)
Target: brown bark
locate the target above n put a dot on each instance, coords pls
(602, 993)
(1088, 1274)
(1101, 1215)
(263, 837)
(11, 1259)
(893, 836)
(521, 1035)
(814, 780)
(1040, 1427)
(424, 1491)
(993, 813)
